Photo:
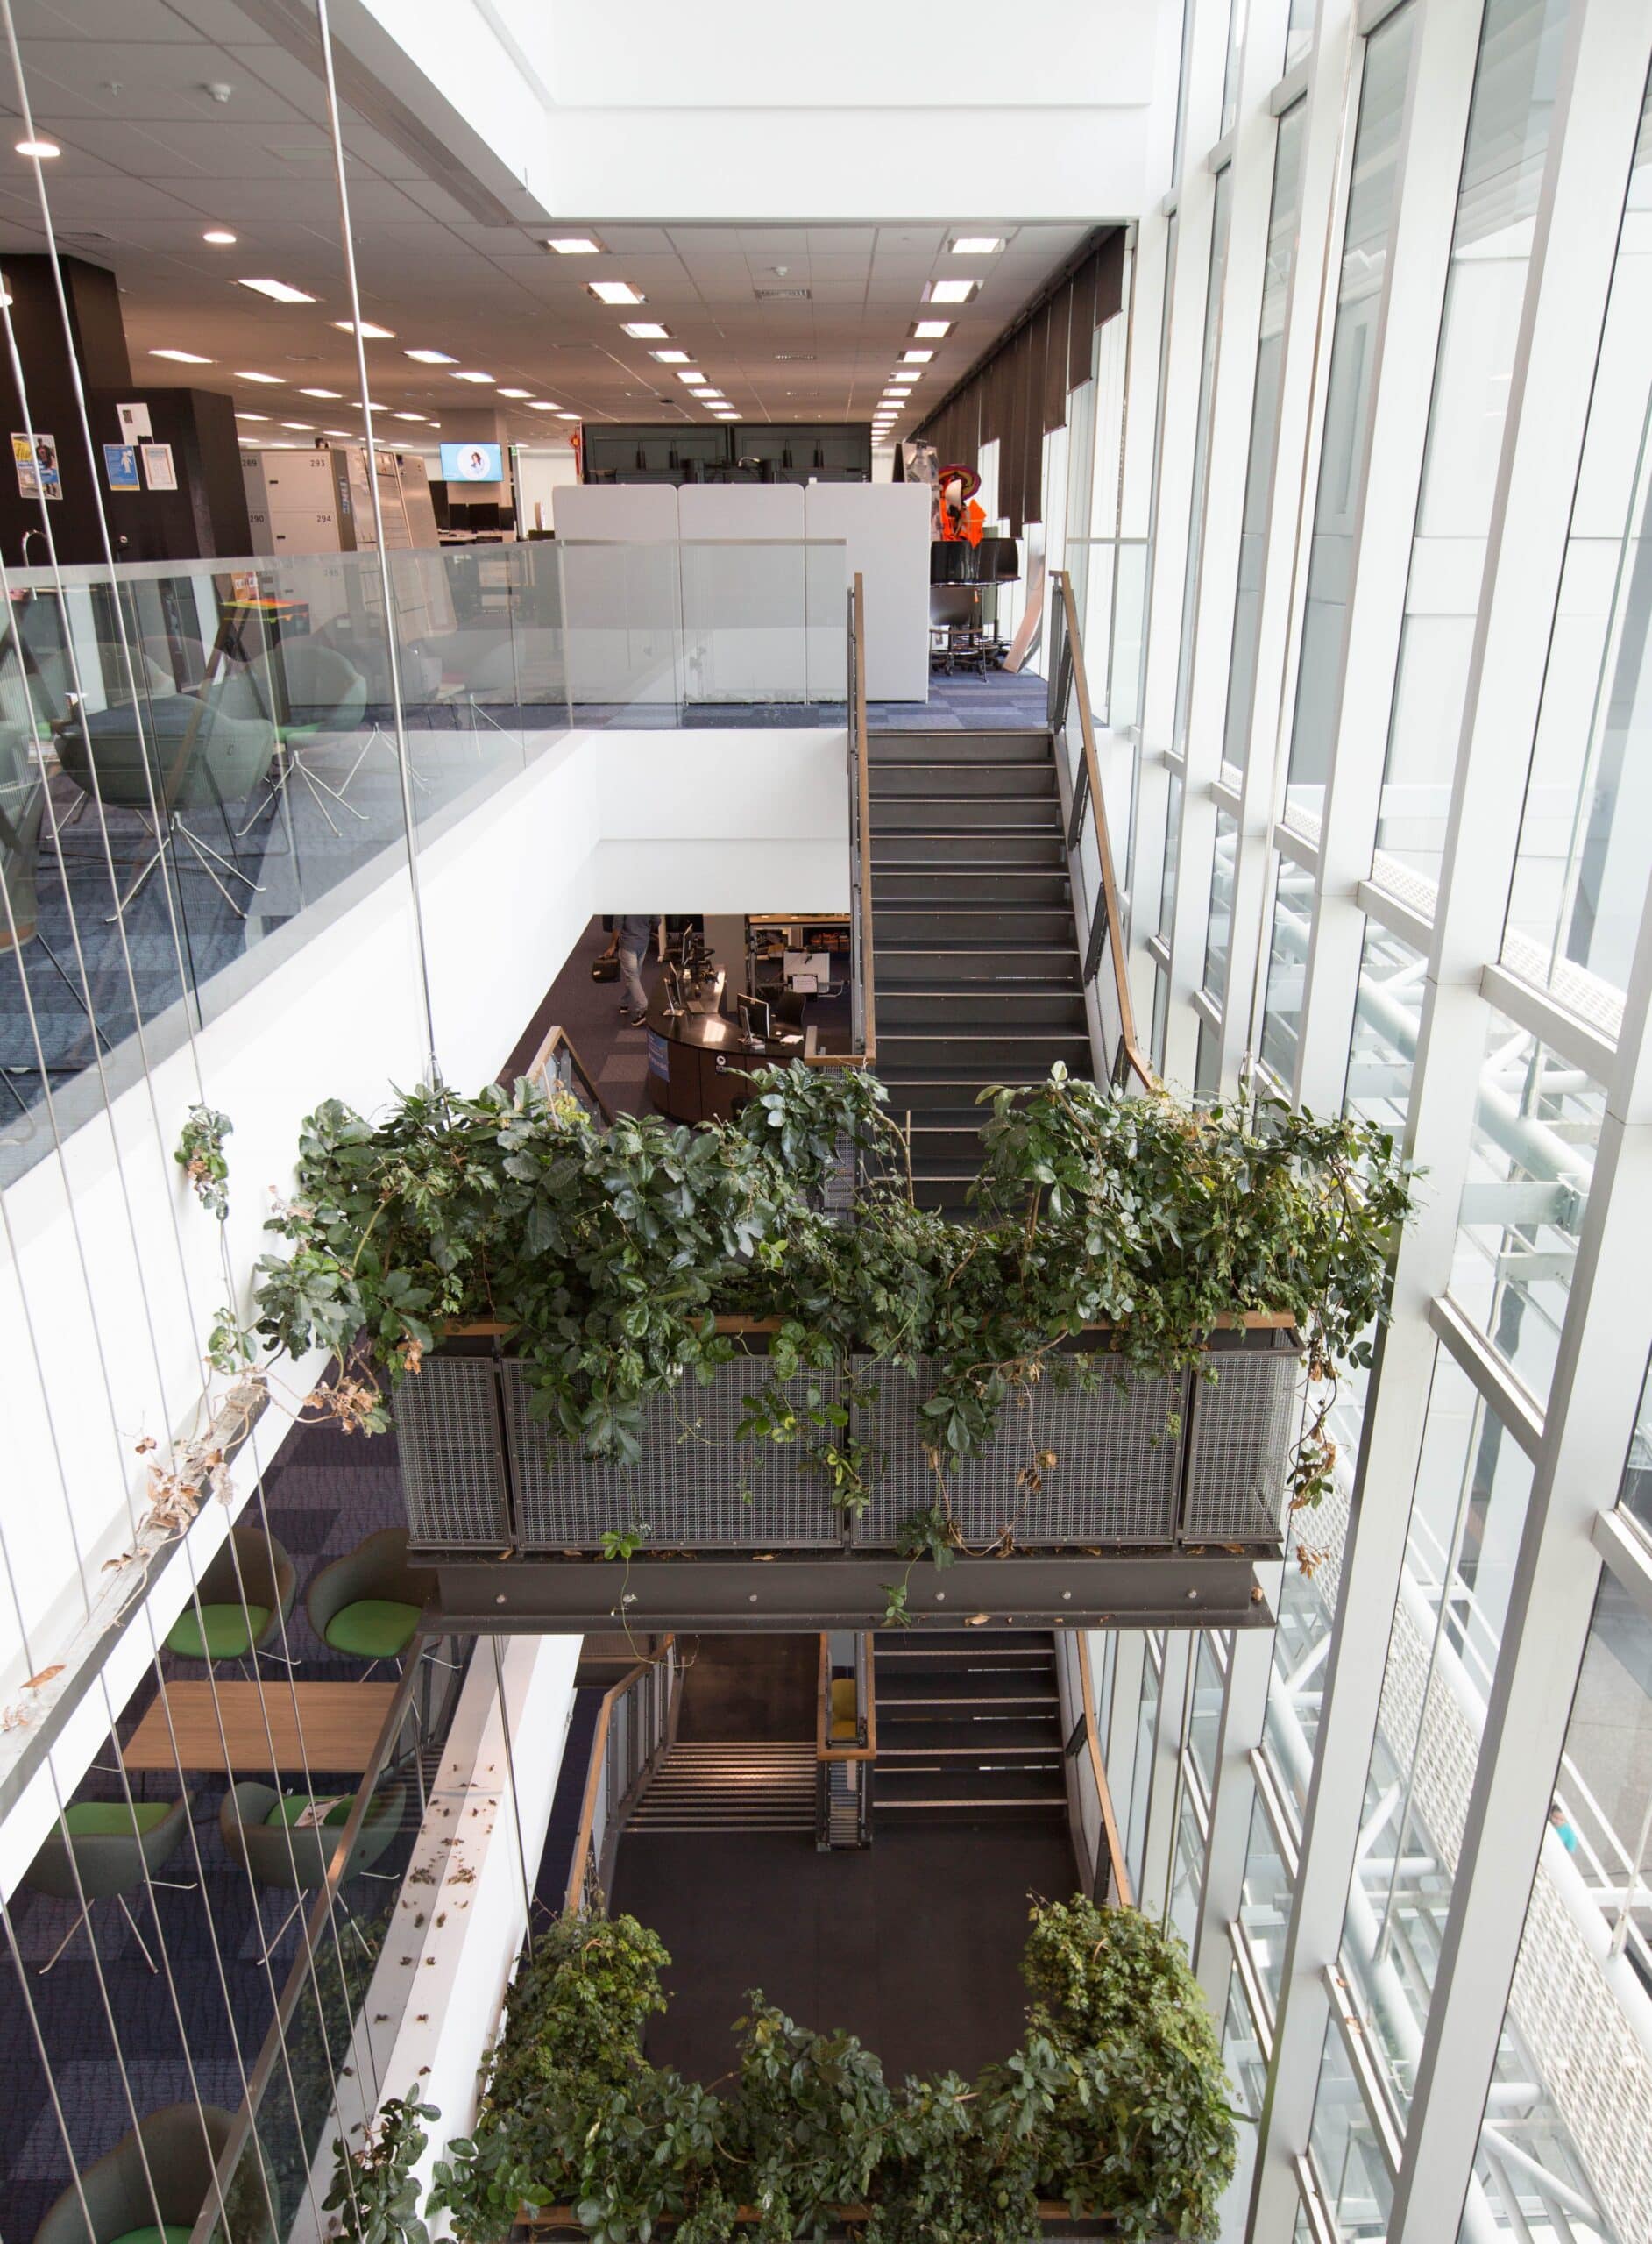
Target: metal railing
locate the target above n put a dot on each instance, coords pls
(319, 2037)
(1089, 849)
(1097, 1839)
(557, 1066)
(862, 997)
(635, 1724)
(845, 1747)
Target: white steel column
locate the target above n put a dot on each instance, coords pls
(1250, 176)
(1608, 1328)
(1451, 1044)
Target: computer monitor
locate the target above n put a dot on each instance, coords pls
(754, 1016)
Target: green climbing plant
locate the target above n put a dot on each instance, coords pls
(200, 1153)
(1115, 2104)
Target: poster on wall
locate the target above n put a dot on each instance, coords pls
(135, 424)
(158, 471)
(120, 465)
(37, 475)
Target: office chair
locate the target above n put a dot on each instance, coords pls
(367, 1604)
(177, 754)
(303, 690)
(104, 1849)
(260, 1830)
(253, 1564)
(22, 807)
(166, 2163)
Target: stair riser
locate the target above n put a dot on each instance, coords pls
(947, 750)
(900, 1055)
(953, 891)
(986, 970)
(1016, 926)
(892, 783)
(970, 854)
(1008, 815)
(1010, 1015)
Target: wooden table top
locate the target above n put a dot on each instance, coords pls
(337, 1726)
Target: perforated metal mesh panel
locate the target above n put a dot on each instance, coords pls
(1114, 1480)
(452, 1459)
(1239, 1446)
(695, 1489)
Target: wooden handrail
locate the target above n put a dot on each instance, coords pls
(578, 1862)
(1098, 812)
(560, 1040)
(1119, 1882)
(863, 783)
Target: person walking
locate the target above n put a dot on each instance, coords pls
(636, 931)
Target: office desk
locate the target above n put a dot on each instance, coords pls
(336, 1727)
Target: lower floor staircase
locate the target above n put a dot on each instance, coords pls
(703, 1786)
(968, 1727)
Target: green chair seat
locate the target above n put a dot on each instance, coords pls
(170, 2234)
(217, 1632)
(112, 1818)
(293, 1805)
(373, 1628)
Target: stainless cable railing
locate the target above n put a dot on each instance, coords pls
(634, 1726)
(1106, 969)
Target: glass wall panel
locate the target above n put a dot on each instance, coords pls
(1189, 1872)
(1208, 358)
(1283, 219)
(1298, 31)
(1531, 1157)
(1264, 1904)
(1520, 43)
(1635, 1497)
(1387, 1014)
(1348, 405)
(1204, 1716)
(1172, 855)
(1580, 876)
(1286, 969)
(1247, 2067)
(1219, 923)
(1558, 2141)
(1345, 2149)
(1142, 1772)
(1469, 1508)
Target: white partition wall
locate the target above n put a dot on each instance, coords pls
(885, 528)
(746, 579)
(621, 597)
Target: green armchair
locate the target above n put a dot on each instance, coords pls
(104, 1849)
(305, 690)
(166, 2164)
(217, 1624)
(259, 1828)
(367, 1604)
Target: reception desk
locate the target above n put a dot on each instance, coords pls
(700, 1064)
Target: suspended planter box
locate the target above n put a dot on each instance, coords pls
(1139, 1464)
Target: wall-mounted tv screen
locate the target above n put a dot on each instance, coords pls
(473, 464)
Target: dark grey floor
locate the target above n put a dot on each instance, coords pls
(746, 1687)
(914, 1944)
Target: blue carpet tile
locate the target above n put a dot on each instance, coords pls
(324, 1491)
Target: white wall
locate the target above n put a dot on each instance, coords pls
(114, 1269)
(539, 476)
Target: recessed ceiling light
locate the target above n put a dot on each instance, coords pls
(409, 417)
(563, 414)
(916, 357)
(690, 375)
(709, 392)
(906, 376)
(299, 424)
(668, 358)
(515, 392)
(367, 331)
(220, 237)
(541, 405)
(184, 357)
(648, 331)
(344, 433)
(321, 393)
(950, 292)
(615, 292)
(977, 244)
(575, 245)
(246, 375)
(432, 358)
(251, 417)
(930, 331)
(706, 397)
(470, 375)
(41, 148)
(278, 292)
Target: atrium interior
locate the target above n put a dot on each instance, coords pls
(825, 1122)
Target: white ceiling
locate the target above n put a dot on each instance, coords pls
(150, 159)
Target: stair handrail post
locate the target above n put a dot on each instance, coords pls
(865, 979)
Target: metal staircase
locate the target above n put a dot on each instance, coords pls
(762, 1786)
(978, 976)
(968, 1727)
